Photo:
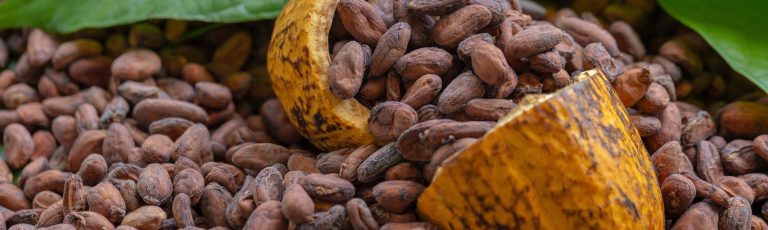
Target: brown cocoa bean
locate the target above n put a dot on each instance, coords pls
(708, 164)
(735, 186)
(460, 24)
(182, 211)
(423, 61)
(136, 65)
(586, 33)
(423, 91)
(389, 119)
(189, 182)
(736, 215)
(88, 142)
(742, 120)
(146, 217)
(31, 114)
(671, 125)
(707, 190)
(669, 159)
(51, 180)
(362, 22)
(489, 109)
(40, 47)
(154, 185)
(297, 206)
(359, 215)
(333, 218)
(18, 144)
(214, 203)
(88, 220)
(74, 195)
(654, 100)
(33, 168)
(277, 122)
(328, 188)
(92, 71)
(74, 50)
(345, 75)
(443, 153)
(260, 155)
(52, 215)
(129, 194)
(106, 200)
(13, 198)
(391, 47)
(397, 195)
(19, 94)
(646, 125)
(530, 41)
(176, 89)
(739, 157)
(234, 51)
(331, 162)
(194, 73)
(45, 199)
(436, 8)
(627, 39)
(242, 205)
(64, 129)
(375, 166)
(150, 110)
(267, 216)
(172, 127)
(490, 65)
(595, 55)
(193, 144)
(632, 85)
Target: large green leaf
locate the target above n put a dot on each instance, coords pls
(71, 15)
(738, 30)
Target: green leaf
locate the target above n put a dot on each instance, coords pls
(738, 30)
(68, 16)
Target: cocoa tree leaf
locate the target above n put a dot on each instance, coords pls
(737, 30)
(68, 16)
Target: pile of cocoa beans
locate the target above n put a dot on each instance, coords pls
(438, 74)
(172, 125)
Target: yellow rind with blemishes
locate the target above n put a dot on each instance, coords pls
(568, 160)
(298, 61)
